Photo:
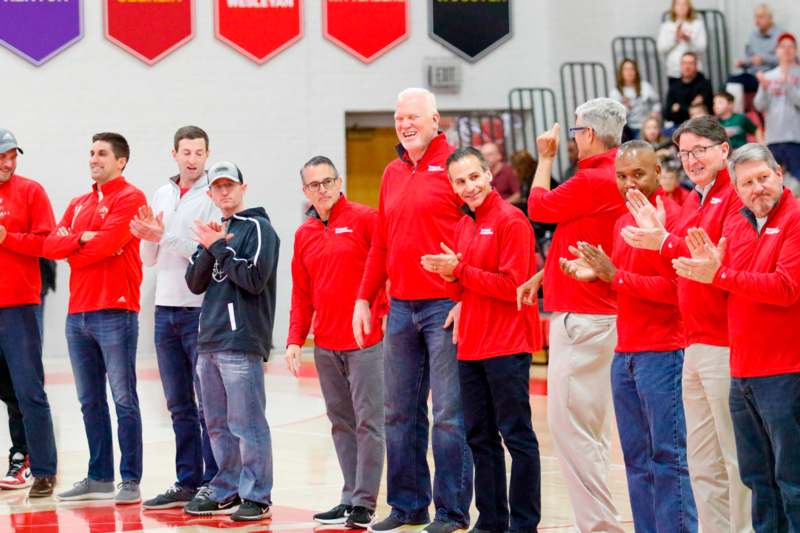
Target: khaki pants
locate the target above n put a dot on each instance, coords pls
(579, 411)
(723, 501)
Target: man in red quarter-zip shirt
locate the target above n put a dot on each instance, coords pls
(582, 326)
(758, 264)
(417, 210)
(648, 358)
(102, 320)
(26, 219)
(723, 501)
(330, 250)
(492, 255)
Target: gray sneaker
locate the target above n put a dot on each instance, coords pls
(88, 489)
(128, 493)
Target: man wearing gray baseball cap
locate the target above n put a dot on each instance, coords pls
(26, 219)
(236, 266)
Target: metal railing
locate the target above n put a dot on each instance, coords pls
(532, 111)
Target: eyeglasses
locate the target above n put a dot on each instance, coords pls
(697, 152)
(574, 131)
(327, 184)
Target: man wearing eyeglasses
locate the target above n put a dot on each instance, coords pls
(583, 329)
(330, 251)
(723, 502)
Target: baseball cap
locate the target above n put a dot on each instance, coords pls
(8, 141)
(224, 170)
(786, 35)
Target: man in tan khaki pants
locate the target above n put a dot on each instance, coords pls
(582, 327)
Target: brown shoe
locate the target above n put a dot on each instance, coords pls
(42, 487)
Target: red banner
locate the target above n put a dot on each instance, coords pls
(259, 29)
(365, 28)
(149, 29)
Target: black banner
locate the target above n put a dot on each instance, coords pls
(470, 28)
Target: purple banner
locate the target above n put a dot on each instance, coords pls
(39, 29)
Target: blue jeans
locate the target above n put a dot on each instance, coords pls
(176, 349)
(232, 385)
(21, 351)
(103, 343)
(646, 387)
(497, 403)
(420, 358)
(788, 156)
(766, 423)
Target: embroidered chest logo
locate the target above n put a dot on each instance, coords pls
(217, 274)
(337, 231)
(715, 201)
(772, 231)
(435, 168)
(102, 212)
(487, 231)
(3, 212)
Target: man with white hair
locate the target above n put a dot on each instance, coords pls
(583, 329)
(418, 211)
(761, 274)
(759, 51)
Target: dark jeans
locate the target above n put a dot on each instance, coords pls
(788, 156)
(21, 350)
(176, 349)
(16, 427)
(646, 387)
(420, 358)
(103, 343)
(497, 403)
(746, 79)
(766, 423)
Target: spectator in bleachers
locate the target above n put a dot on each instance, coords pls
(653, 133)
(636, 94)
(670, 181)
(779, 99)
(736, 125)
(698, 109)
(572, 156)
(759, 52)
(682, 32)
(524, 165)
(504, 180)
(692, 87)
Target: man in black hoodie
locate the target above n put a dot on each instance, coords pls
(691, 88)
(236, 265)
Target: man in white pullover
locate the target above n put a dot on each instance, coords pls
(165, 228)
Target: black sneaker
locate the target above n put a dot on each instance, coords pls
(337, 515)
(175, 496)
(250, 510)
(437, 526)
(389, 525)
(202, 505)
(360, 518)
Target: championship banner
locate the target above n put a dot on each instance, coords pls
(469, 28)
(258, 29)
(365, 28)
(149, 29)
(37, 31)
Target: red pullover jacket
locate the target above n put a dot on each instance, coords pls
(648, 319)
(762, 276)
(497, 247)
(417, 210)
(586, 207)
(106, 272)
(703, 306)
(327, 266)
(26, 214)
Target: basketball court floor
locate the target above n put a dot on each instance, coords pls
(307, 477)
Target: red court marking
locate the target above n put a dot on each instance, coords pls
(108, 518)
